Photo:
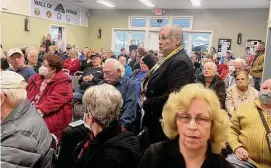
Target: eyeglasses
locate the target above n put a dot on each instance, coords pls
(199, 119)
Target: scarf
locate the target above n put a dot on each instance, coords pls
(145, 81)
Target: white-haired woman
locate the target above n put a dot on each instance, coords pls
(210, 79)
(197, 127)
(108, 144)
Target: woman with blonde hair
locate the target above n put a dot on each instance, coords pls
(197, 127)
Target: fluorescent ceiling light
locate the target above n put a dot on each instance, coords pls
(106, 3)
(147, 3)
(195, 2)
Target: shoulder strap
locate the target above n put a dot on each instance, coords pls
(264, 121)
(268, 132)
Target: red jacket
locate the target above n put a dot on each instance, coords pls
(55, 102)
(72, 66)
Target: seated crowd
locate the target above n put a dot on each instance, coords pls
(85, 108)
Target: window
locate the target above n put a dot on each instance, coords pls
(200, 41)
(158, 22)
(184, 22)
(123, 38)
(138, 22)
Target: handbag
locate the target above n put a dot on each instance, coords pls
(268, 132)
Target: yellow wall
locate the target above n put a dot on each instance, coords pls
(13, 34)
(225, 23)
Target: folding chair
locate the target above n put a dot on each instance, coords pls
(75, 79)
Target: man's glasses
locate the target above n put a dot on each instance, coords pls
(199, 119)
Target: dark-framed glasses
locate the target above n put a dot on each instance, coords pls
(199, 119)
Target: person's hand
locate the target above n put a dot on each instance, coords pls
(241, 153)
(41, 113)
(142, 52)
(90, 77)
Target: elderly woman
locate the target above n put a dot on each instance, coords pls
(248, 137)
(171, 72)
(210, 79)
(108, 144)
(72, 63)
(241, 93)
(197, 128)
(51, 92)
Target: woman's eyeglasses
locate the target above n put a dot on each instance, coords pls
(199, 119)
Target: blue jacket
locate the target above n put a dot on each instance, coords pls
(128, 71)
(128, 92)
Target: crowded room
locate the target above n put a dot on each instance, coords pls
(135, 83)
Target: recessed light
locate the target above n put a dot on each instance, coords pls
(147, 3)
(106, 3)
(195, 2)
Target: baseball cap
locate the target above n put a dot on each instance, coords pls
(12, 80)
(96, 55)
(14, 50)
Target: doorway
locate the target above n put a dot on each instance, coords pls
(56, 30)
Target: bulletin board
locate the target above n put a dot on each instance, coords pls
(224, 45)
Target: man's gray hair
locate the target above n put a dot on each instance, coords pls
(103, 102)
(116, 65)
(32, 51)
(174, 32)
(15, 96)
(240, 60)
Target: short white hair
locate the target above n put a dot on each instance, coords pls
(117, 65)
(174, 32)
(15, 96)
(213, 66)
(33, 51)
(240, 60)
(103, 102)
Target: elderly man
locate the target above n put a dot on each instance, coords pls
(239, 65)
(174, 70)
(257, 65)
(90, 77)
(114, 75)
(32, 57)
(25, 138)
(248, 135)
(16, 59)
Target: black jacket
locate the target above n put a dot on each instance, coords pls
(217, 85)
(166, 155)
(84, 65)
(112, 147)
(98, 77)
(170, 76)
(134, 65)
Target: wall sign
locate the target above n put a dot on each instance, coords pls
(55, 11)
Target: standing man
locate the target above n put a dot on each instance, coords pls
(257, 65)
(174, 70)
(17, 62)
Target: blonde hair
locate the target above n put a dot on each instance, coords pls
(212, 64)
(180, 102)
(103, 102)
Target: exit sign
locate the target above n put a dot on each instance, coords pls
(158, 11)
